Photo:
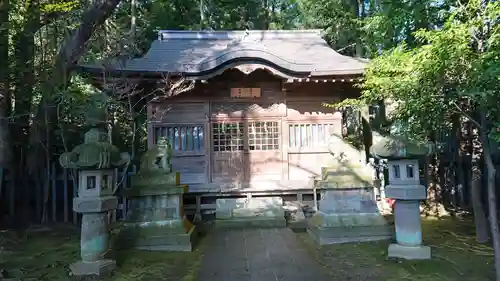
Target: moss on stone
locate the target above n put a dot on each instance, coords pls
(396, 147)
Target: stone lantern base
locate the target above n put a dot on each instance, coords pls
(409, 252)
(99, 267)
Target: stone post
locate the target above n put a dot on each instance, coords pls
(95, 159)
(404, 186)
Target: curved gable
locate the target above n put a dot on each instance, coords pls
(292, 53)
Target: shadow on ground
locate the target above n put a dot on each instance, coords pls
(456, 257)
(46, 254)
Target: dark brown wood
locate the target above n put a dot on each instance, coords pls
(271, 142)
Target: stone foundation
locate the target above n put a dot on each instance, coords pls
(339, 235)
(155, 220)
(99, 267)
(159, 236)
(250, 212)
(409, 252)
(348, 215)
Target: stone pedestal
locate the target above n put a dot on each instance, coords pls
(407, 221)
(155, 218)
(347, 210)
(99, 267)
(250, 212)
(94, 242)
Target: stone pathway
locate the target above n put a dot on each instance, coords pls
(258, 255)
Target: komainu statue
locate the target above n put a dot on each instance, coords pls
(157, 159)
(156, 167)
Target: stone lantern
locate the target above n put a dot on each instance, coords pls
(404, 186)
(95, 159)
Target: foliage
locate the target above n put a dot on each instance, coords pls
(338, 18)
(365, 28)
(33, 54)
(58, 7)
(441, 77)
(356, 140)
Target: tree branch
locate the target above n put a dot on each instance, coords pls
(71, 50)
(343, 48)
(48, 18)
(461, 111)
(73, 47)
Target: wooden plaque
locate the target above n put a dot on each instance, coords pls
(245, 92)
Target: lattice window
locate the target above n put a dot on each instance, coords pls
(227, 136)
(183, 137)
(263, 136)
(309, 135)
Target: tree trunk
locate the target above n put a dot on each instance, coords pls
(482, 232)
(359, 13)
(41, 133)
(267, 16)
(434, 203)
(460, 165)
(202, 15)
(71, 50)
(24, 83)
(4, 104)
(492, 198)
(5, 145)
(480, 219)
(492, 207)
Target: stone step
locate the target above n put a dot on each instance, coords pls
(339, 235)
(168, 241)
(251, 222)
(348, 220)
(242, 208)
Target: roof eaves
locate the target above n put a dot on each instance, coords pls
(358, 71)
(230, 35)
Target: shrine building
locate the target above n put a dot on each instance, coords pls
(255, 120)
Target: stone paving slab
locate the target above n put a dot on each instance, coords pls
(272, 254)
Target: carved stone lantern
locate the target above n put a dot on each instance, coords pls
(404, 186)
(95, 159)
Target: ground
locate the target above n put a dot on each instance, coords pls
(45, 255)
(456, 257)
(250, 254)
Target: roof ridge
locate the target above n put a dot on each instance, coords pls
(236, 34)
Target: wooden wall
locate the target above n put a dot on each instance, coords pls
(276, 141)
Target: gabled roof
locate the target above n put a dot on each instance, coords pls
(289, 53)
